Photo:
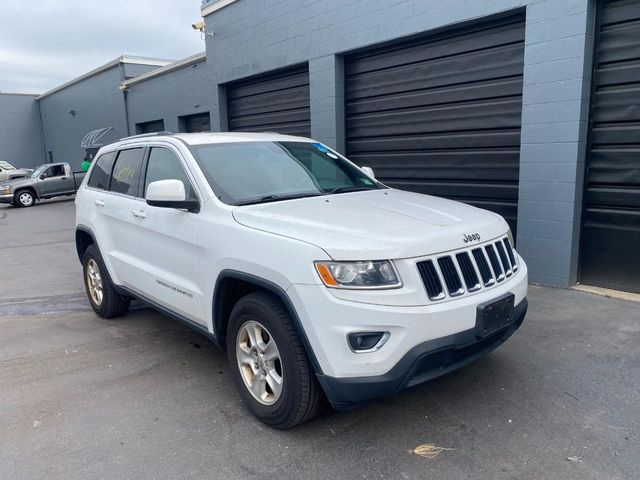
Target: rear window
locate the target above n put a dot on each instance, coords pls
(100, 173)
(126, 172)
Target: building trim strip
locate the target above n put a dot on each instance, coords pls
(185, 62)
(107, 66)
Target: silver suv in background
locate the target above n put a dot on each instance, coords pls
(9, 172)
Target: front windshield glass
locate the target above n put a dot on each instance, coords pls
(7, 166)
(38, 171)
(257, 172)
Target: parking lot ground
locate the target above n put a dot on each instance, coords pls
(142, 397)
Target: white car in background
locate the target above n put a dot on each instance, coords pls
(9, 172)
(318, 280)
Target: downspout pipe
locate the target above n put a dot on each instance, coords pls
(41, 125)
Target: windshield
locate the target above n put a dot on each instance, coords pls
(38, 171)
(258, 172)
(7, 166)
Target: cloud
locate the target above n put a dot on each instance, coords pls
(45, 43)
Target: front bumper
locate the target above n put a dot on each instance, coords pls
(423, 362)
(414, 332)
(6, 198)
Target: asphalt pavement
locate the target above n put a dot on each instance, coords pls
(142, 397)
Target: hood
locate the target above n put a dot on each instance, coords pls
(375, 225)
(17, 182)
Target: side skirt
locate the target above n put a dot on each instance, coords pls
(175, 316)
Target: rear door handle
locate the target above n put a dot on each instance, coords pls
(139, 213)
(100, 203)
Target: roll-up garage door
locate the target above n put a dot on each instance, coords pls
(610, 241)
(276, 102)
(198, 122)
(441, 114)
(150, 127)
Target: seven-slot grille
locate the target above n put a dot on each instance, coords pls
(468, 270)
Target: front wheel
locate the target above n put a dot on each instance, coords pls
(104, 298)
(269, 364)
(24, 198)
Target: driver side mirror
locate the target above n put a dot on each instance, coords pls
(170, 194)
(369, 172)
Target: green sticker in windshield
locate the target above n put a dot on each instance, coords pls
(366, 181)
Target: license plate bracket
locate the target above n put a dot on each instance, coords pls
(494, 315)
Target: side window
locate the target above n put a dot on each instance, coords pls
(164, 165)
(126, 172)
(54, 171)
(100, 173)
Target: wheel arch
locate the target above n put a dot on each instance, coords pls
(232, 285)
(84, 238)
(29, 188)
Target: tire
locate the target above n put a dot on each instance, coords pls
(301, 397)
(109, 303)
(24, 199)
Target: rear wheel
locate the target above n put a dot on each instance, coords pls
(269, 364)
(104, 298)
(24, 198)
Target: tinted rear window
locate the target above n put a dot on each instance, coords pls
(100, 173)
(126, 172)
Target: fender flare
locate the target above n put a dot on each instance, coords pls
(88, 231)
(271, 287)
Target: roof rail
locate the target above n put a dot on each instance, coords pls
(143, 135)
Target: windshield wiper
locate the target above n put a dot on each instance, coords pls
(276, 198)
(345, 189)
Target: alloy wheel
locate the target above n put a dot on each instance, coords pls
(259, 362)
(94, 282)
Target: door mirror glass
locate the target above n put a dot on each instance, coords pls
(368, 171)
(170, 194)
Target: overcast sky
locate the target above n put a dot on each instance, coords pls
(44, 43)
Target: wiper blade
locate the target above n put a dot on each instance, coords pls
(276, 198)
(346, 189)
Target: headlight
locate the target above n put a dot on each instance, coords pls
(5, 190)
(366, 274)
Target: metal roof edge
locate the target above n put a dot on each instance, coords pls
(185, 62)
(107, 66)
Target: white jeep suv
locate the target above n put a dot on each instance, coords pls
(320, 281)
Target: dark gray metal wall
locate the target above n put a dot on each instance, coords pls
(20, 133)
(68, 114)
(610, 253)
(275, 102)
(441, 114)
(170, 97)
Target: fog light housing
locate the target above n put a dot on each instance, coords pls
(362, 342)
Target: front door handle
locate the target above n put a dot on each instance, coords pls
(139, 214)
(100, 203)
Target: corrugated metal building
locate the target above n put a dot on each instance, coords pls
(530, 108)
